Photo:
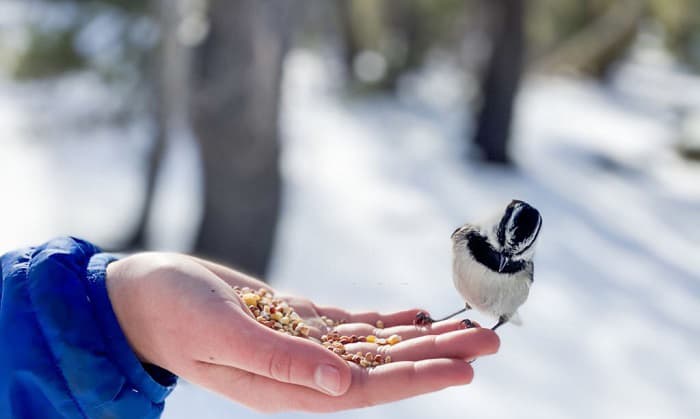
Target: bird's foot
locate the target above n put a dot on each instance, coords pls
(422, 319)
(501, 321)
(469, 324)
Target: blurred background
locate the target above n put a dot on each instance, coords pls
(331, 147)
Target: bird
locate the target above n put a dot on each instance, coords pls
(492, 266)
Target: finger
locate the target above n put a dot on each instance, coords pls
(405, 317)
(384, 384)
(231, 277)
(462, 344)
(405, 331)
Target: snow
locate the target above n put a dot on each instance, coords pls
(375, 186)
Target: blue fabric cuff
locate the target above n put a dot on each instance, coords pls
(154, 382)
(62, 351)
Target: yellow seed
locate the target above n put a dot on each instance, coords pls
(250, 298)
(393, 339)
(370, 338)
(277, 315)
(284, 320)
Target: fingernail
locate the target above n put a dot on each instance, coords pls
(327, 378)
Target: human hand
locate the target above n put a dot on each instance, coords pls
(182, 314)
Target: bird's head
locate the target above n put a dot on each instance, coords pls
(505, 245)
(517, 231)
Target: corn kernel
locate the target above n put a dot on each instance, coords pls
(371, 338)
(250, 299)
(393, 339)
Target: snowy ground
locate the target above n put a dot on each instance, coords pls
(375, 187)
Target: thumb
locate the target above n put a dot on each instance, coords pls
(299, 361)
(262, 351)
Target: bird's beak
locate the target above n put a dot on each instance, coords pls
(503, 262)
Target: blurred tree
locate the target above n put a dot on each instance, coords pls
(602, 36)
(235, 90)
(62, 38)
(681, 22)
(166, 70)
(501, 80)
(48, 54)
(385, 39)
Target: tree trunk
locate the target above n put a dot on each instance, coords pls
(595, 48)
(164, 79)
(501, 81)
(235, 90)
(347, 29)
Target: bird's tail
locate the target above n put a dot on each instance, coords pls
(515, 319)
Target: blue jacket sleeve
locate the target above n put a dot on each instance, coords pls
(62, 352)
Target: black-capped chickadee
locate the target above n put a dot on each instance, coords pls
(492, 266)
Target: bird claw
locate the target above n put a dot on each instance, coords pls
(422, 319)
(469, 324)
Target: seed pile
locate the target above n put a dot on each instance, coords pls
(277, 314)
(333, 341)
(272, 312)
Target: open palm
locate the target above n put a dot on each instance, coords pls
(182, 314)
